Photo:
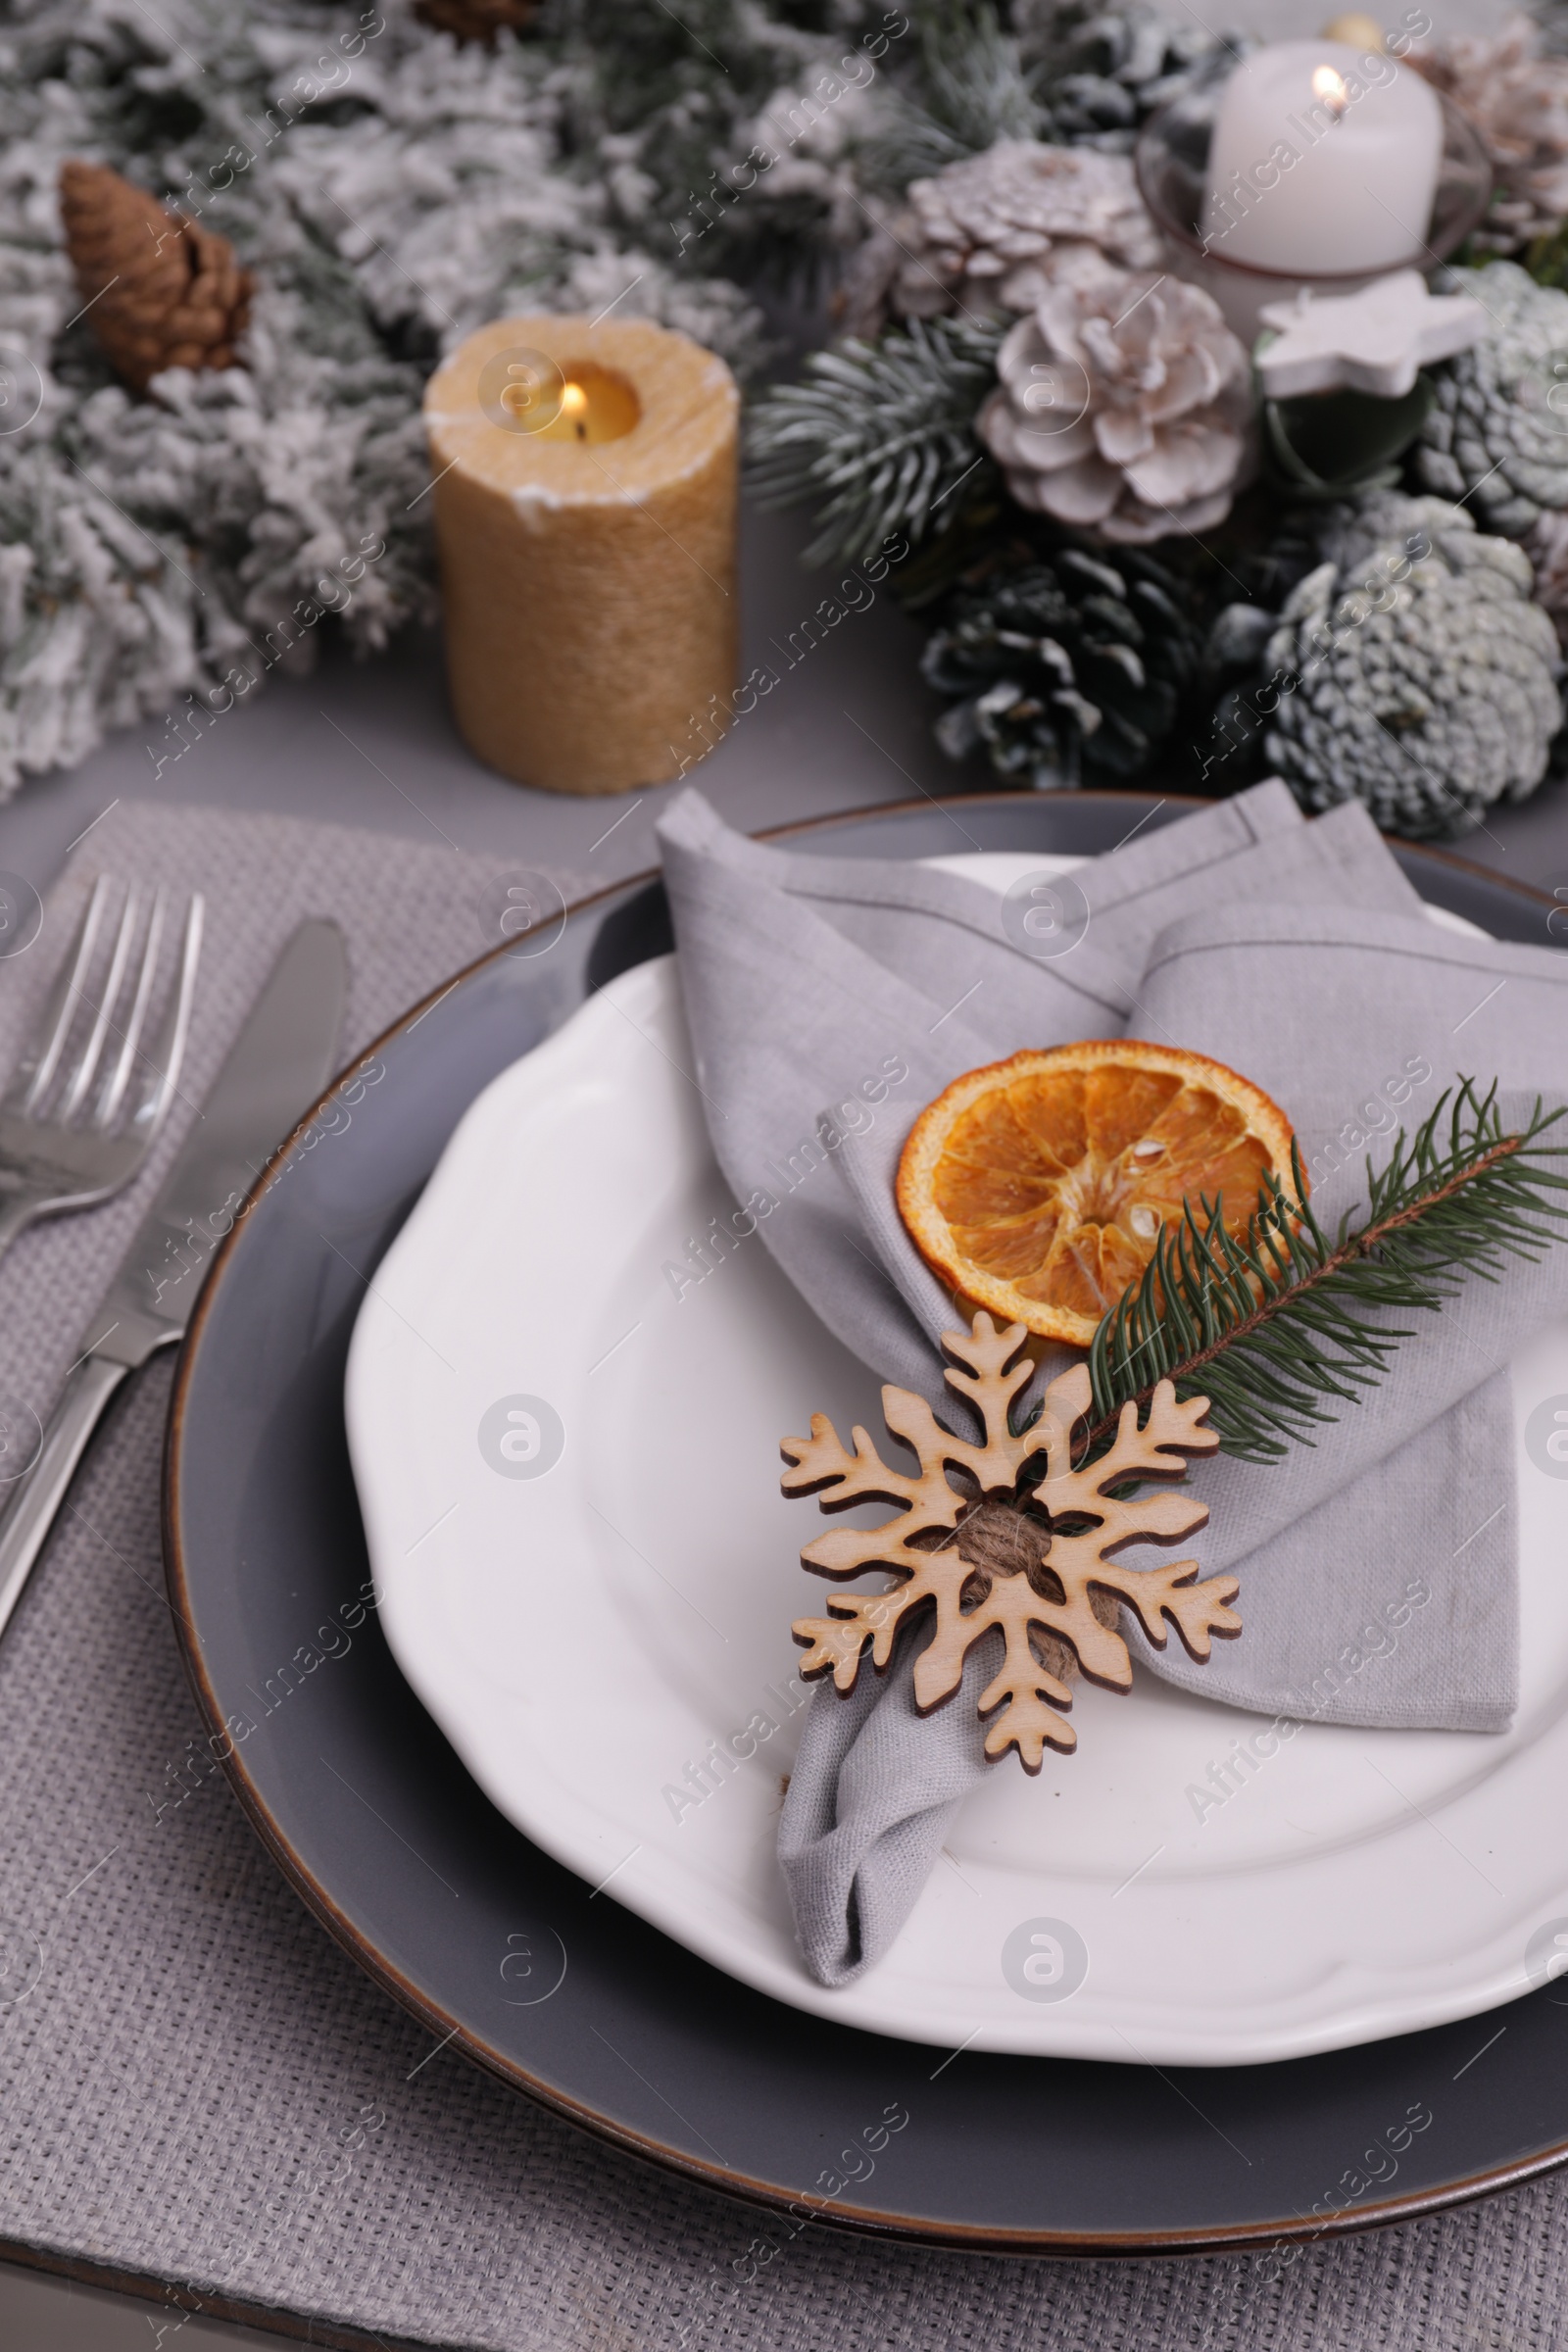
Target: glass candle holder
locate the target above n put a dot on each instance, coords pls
(1172, 164)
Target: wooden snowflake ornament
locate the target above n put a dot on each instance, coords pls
(991, 1548)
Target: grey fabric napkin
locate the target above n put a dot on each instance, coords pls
(812, 985)
(869, 985)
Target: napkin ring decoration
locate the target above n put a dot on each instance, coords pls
(980, 1533)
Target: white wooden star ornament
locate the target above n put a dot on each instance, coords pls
(1374, 341)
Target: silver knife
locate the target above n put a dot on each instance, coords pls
(276, 1067)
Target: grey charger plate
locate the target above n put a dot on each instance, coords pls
(573, 1999)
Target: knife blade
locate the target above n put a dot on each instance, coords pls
(286, 1052)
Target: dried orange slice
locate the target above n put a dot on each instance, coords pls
(1037, 1187)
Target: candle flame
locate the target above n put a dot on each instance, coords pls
(574, 407)
(1330, 87)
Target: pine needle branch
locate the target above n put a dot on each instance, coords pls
(974, 90)
(1274, 1322)
(885, 430)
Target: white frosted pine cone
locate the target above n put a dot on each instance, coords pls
(993, 231)
(1412, 670)
(1516, 101)
(1123, 408)
(1497, 433)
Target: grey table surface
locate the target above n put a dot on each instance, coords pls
(373, 745)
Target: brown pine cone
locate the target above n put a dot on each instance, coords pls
(161, 291)
(475, 20)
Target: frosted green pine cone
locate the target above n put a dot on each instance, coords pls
(1413, 671)
(1102, 75)
(1498, 436)
(1069, 668)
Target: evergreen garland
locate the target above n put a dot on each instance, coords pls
(391, 189)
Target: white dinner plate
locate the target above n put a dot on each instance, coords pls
(584, 1633)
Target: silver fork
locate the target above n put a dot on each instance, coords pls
(86, 1099)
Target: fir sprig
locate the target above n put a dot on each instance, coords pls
(1275, 1321)
(974, 91)
(885, 429)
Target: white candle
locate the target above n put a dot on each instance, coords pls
(1325, 160)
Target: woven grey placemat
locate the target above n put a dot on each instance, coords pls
(196, 2083)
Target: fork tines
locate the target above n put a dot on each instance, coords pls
(101, 1058)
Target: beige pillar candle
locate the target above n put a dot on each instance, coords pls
(585, 490)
